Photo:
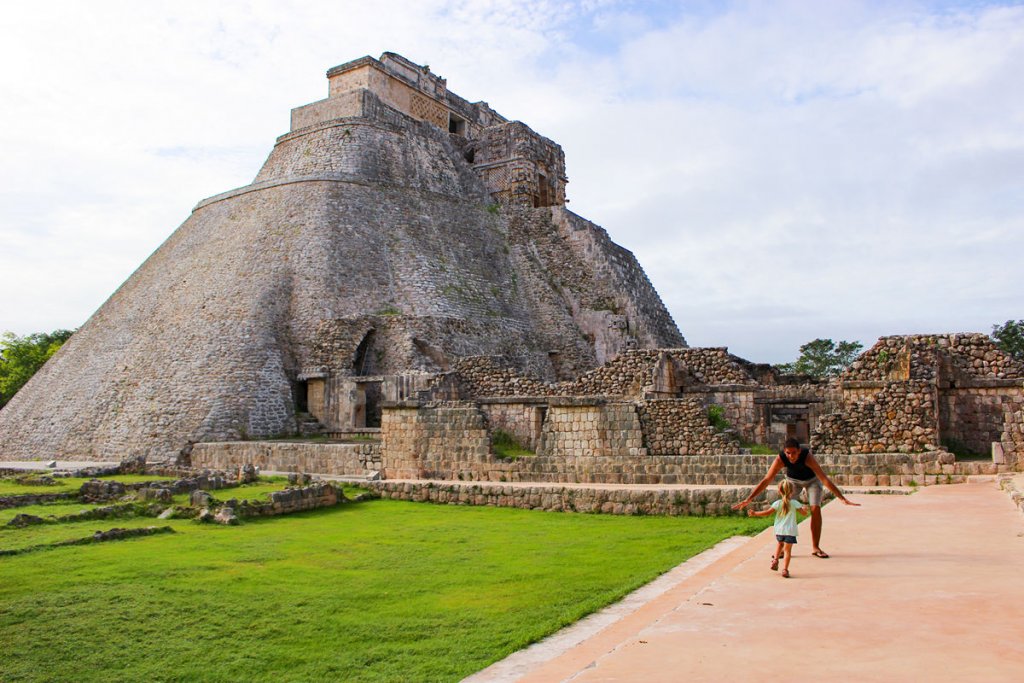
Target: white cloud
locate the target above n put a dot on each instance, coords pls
(783, 170)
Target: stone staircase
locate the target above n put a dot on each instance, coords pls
(307, 425)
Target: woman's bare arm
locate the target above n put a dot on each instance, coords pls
(820, 473)
(761, 486)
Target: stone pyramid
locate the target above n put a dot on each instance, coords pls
(394, 229)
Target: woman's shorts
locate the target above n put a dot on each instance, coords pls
(811, 486)
(785, 539)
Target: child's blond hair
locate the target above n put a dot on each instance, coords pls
(785, 493)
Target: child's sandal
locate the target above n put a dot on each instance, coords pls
(785, 573)
(775, 564)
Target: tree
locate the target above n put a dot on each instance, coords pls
(822, 358)
(1010, 337)
(21, 357)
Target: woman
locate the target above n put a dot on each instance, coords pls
(804, 472)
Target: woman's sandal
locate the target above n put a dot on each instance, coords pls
(820, 553)
(775, 564)
(785, 573)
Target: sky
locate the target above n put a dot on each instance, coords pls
(784, 171)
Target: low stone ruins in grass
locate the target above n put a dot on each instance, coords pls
(155, 499)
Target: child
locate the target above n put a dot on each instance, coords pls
(785, 509)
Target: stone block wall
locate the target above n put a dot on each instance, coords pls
(433, 440)
(568, 499)
(581, 430)
(866, 469)
(274, 456)
(681, 427)
(290, 500)
(740, 409)
(881, 417)
(522, 420)
(713, 365)
(936, 357)
(976, 417)
(631, 374)
(485, 376)
(1013, 438)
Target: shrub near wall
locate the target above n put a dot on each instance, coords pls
(681, 427)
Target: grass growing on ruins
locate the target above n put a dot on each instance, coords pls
(375, 591)
(506, 446)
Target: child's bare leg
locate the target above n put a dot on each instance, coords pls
(788, 553)
(777, 555)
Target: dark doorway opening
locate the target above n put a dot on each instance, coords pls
(363, 362)
(456, 125)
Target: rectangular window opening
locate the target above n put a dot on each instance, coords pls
(456, 124)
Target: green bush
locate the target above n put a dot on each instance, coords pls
(716, 418)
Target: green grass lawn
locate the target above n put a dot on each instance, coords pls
(55, 509)
(375, 591)
(70, 484)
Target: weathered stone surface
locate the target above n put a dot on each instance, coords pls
(200, 499)
(99, 490)
(247, 473)
(157, 494)
(368, 245)
(226, 515)
(23, 520)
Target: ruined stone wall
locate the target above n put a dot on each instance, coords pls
(973, 418)
(332, 459)
(289, 501)
(881, 417)
(634, 372)
(433, 440)
(485, 376)
(739, 408)
(713, 365)
(522, 420)
(567, 499)
(680, 427)
(582, 430)
(1012, 438)
(627, 375)
(973, 386)
(815, 399)
(631, 374)
(866, 469)
(937, 357)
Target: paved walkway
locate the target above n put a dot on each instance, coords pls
(927, 587)
(61, 464)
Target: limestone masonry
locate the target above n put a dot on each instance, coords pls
(396, 229)
(403, 277)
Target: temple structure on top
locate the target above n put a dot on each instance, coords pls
(518, 166)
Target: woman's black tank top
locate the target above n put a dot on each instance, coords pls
(798, 470)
